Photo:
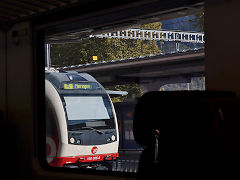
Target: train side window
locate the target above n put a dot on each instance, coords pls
(92, 85)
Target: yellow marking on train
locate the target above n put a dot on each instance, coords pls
(82, 86)
(68, 86)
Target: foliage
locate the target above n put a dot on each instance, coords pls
(106, 49)
(133, 91)
(155, 25)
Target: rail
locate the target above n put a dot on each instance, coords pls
(146, 34)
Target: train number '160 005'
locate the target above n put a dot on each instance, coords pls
(93, 158)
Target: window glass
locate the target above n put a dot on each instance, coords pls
(85, 108)
(95, 81)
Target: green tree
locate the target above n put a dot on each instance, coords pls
(155, 25)
(133, 91)
(106, 49)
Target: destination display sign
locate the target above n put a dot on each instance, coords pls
(79, 86)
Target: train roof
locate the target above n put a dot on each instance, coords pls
(58, 79)
(69, 76)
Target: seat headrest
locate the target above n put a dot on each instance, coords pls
(176, 114)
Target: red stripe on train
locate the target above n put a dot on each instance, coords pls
(60, 161)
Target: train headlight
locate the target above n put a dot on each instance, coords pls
(72, 140)
(113, 138)
(108, 139)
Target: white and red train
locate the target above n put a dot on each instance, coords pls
(81, 124)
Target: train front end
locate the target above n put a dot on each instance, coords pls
(81, 124)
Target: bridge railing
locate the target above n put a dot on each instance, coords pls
(145, 34)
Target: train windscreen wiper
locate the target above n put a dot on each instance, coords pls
(91, 128)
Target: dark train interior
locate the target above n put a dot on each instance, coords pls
(199, 81)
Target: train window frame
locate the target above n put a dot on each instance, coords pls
(39, 53)
(93, 95)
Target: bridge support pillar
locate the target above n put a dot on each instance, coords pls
(157, 84)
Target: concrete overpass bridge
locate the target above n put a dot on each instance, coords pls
(152, 71)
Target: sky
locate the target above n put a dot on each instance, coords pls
(181, 23)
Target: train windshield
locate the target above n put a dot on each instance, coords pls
(88, 111)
